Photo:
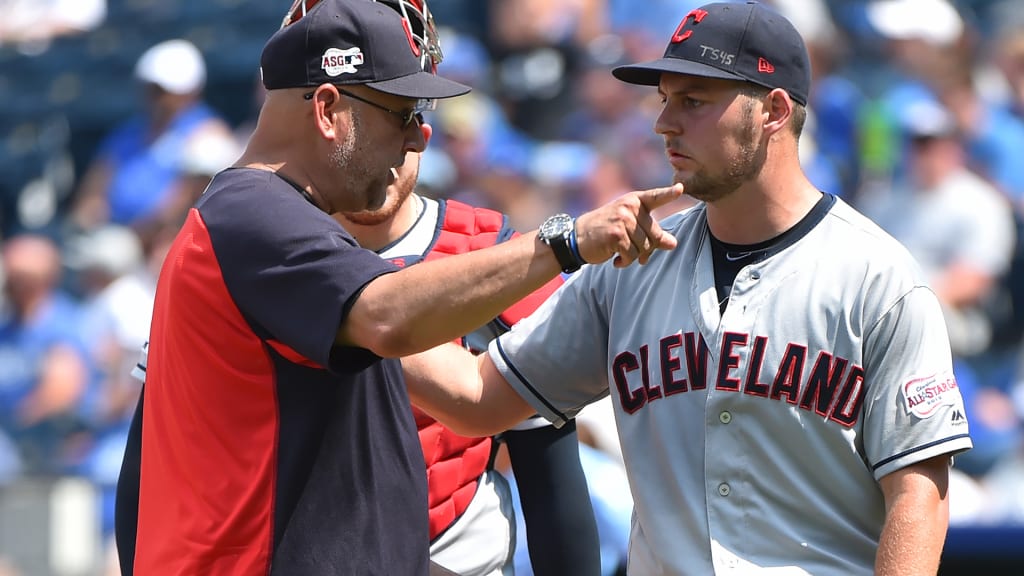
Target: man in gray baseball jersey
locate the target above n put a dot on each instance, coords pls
(782, 380)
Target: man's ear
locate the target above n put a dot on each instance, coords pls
(779, 107)
(427, 131)
(326, 104)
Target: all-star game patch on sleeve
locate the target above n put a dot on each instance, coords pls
(914, 410)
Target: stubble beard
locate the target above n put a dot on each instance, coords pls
(708, 187)
(349, 159)
(397, 194)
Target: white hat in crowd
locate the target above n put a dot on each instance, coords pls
(926, 118)
(933, 21)
(112, 249)
(175, 65)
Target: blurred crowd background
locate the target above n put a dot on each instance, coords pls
(115, 114)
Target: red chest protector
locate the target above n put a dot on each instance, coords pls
(455, 463)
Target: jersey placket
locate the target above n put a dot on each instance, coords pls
(725, 468)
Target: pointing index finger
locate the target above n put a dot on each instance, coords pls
(656, 197)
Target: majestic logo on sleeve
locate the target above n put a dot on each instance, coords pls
(924, 396)
(336, 62)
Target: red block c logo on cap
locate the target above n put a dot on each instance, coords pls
(697, 14)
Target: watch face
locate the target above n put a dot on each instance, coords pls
(556, 226)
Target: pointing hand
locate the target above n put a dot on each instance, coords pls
(625, 229)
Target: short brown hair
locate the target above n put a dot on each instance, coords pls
(799, 116)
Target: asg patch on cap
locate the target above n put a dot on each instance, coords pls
(336, 62)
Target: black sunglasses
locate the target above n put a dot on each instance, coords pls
(407, 117)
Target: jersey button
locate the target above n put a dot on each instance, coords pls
(724, 489)
(725, 417)
(755, 275)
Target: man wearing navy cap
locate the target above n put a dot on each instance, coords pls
(274, 434)
(781, 380)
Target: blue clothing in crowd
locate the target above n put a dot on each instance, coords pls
(143, 171)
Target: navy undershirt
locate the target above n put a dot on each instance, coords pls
(729, 259)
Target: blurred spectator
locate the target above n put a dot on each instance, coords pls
(1009, 57)
(1005, 487)
(912, 25)
(465, 59)
(969, 500)
(605, 180)
(33, 23)
(536, 46)
(117, 300)
(478, 139)
(830, 142)
(913, 42)
(205, 154)
(134, 179)
(821, 170)
(994, 137)
(616, 117)
(43, 366)
(935, 49)
(957, 225)
(961, 231)
(121, 273)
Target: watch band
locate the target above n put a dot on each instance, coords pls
(559, 232)
(564, 252)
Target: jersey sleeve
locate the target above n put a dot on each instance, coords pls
(913, 407)
(294, 273)
(569, 324)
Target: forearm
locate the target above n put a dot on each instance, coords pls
(917, 516)
(438, 301)
(911, 542)
(463, 392)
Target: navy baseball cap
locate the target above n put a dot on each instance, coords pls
(351, 42)
(748, 42)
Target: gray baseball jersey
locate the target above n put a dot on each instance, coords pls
(753, 440)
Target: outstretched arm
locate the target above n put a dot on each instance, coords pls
(434, 302)
(916, 519)
(561, 530)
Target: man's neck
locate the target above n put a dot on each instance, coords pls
(378, 236)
